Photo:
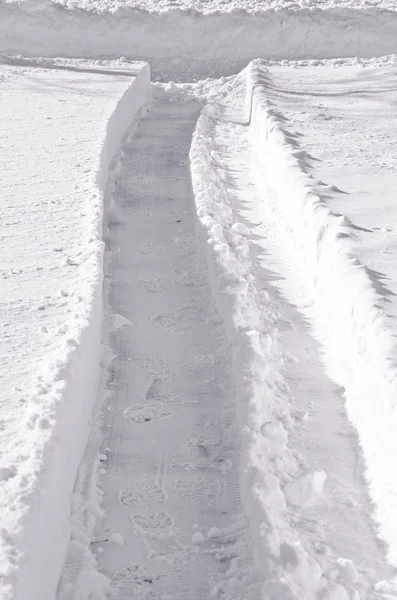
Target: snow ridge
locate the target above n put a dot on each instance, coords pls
(348, 311)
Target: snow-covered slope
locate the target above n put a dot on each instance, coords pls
(59, 129)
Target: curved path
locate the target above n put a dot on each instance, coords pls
(170, 430)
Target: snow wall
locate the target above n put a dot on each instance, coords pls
(186, 43)
(45, 532)
(361, 353)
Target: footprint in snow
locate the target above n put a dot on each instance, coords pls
(154, 525)
(187, 277)
(196, 363)
(146, 492)
(149, 362)
(144, 413)
(201, 489)
(181, 322)
(143, 493)
(152, 284)
(136, 581)
(152, 249)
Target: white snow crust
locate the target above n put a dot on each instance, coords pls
(66, 125)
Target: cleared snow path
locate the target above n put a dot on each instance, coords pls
(213, 387)
(170, 449)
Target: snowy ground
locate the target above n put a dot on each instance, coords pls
(219, 421)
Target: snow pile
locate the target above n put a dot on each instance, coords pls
(184, 43)
(360, 352)
(53, 189)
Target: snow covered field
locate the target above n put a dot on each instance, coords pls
(198, 303)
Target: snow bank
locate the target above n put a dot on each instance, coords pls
(271, 479)
(348, 312)
(44, 434)
(187, 43)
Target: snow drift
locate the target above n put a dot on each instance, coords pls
(348, 312)
(36, 522)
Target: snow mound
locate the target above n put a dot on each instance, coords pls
(348, 311)
(53, 186)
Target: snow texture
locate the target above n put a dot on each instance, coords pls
(51, 306)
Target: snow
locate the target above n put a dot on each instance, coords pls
(206, 7)
(199, 324)
(53, 166)
(183, 44)
(274, 474)
(358, 338)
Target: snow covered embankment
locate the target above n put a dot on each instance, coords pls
(187, 43)
(347, 310)
(48, 439)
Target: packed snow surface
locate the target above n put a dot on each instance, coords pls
(59, 129)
